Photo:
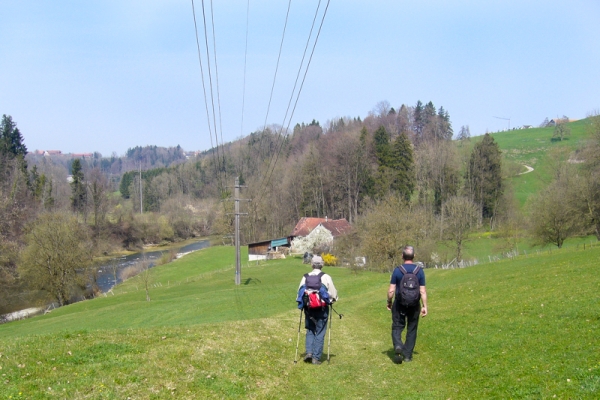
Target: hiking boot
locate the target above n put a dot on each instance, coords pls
(399, 354)
(316, 362)
(308, 358)
(407, 359)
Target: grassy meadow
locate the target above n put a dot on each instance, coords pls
(522, 328)
(536, 148)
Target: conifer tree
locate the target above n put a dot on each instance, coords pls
(403, 164)
(484, 175)
(78, 189)
(11, 141)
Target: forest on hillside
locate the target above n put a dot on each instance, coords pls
(398, 176)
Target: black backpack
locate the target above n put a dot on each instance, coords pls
(409, 291)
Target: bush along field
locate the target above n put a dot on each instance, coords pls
(521, 328)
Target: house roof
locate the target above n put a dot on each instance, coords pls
(337, 227)
(306, 225)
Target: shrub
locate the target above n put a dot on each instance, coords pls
(167, 257)
(330, 260)
(130, 271)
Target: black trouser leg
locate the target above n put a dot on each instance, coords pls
(412, 317)
(398, 323)
(405, 317)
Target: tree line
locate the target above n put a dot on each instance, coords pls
(397, 176)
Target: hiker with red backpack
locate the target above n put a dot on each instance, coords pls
(407, 290)
(315, 293)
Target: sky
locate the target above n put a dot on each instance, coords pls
(109, 75)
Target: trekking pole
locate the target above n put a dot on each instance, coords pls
(341, 315)
(298, 340)
(329, 340)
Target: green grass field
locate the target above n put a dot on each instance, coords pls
(534, 147)
(525, 328)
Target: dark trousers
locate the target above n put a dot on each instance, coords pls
(405, 317)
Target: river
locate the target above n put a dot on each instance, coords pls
(106, 279)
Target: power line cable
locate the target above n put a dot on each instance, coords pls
(269, 174)
(279, 142)
(308, 65)
(218, 91)
(261, 141)
(245, 59)
(212, 98)
(204, 86)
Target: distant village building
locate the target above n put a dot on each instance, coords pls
(48, 153)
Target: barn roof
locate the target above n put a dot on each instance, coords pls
(306, 225)
(337, 227)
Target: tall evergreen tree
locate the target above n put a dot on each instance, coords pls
(403, 164)
(78, 189)
(383, 149)
(444, 124)
(484, 175)
(418, 120)
(11, 141)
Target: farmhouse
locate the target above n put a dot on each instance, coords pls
(317, 232)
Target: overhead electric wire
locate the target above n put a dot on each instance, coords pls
(278, 59)
(260, 143)
(301, 64)
(270, 173)
(308, 65)
(212, 97)
(245, 59)
(212, 21)
(204, 86)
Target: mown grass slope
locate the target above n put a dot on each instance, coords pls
(534, 147)
(525, 328)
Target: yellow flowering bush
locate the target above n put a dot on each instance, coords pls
(330, 259)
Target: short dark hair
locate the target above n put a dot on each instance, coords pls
(408, 253)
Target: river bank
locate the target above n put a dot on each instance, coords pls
(108, 270)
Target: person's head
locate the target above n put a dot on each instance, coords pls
(408, 253)
(317, 262)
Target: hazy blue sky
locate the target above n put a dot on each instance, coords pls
(106, 75)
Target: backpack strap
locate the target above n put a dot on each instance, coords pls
(417, 269)
(402, 269)
(321, 274)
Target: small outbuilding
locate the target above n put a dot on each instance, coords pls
(260, 250)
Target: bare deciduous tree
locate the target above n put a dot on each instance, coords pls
(461, 218)
(57, 250)
(386, 227)
(145, 276)
(553, 213)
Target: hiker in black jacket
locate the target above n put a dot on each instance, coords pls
(406, 315)
(316, 319)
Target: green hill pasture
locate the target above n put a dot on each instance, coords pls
(534, 147)
(522, 328)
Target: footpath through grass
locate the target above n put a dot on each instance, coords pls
(525, 328)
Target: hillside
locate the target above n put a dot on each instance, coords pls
(513, 329)
(534, 147)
